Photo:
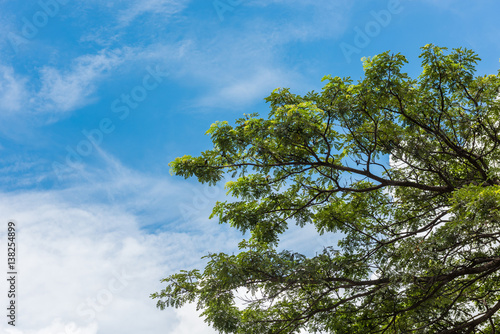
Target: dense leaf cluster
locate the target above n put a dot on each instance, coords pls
(420, 251)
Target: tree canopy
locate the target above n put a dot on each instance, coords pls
(405, 170)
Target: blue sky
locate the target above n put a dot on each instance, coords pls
(99, 96)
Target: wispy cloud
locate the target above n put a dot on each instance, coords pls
(162, 8)
(243, 91)
(238, 63)
(58, 326)
(241, 63)
(13, 91)
(303, 19)
(67, 90)
(55, 92)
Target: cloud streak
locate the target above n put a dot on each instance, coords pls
(63, 91)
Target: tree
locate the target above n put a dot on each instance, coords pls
(420, 251)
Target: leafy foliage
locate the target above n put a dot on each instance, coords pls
(420, 252)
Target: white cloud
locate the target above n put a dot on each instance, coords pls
(85, 259)
(58, 327)
(12, 90)
(188, 324)
(63, 91)
(164, 8)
